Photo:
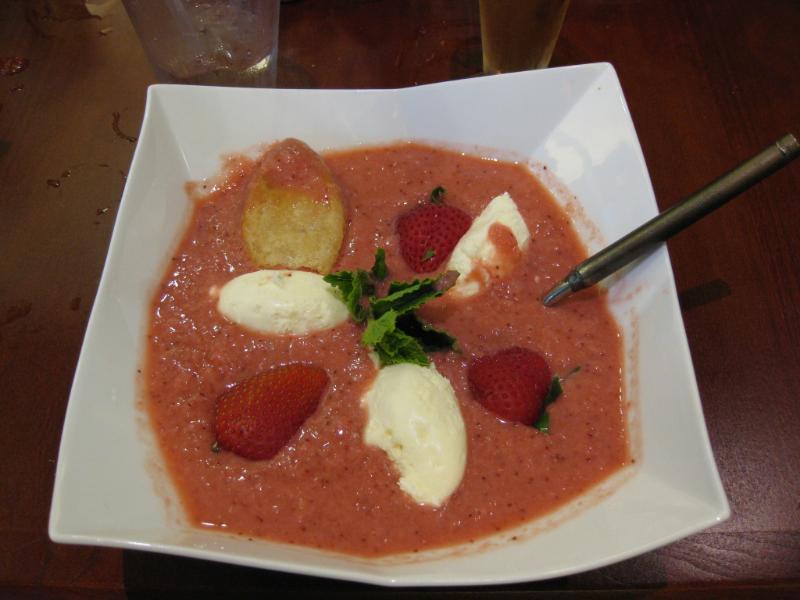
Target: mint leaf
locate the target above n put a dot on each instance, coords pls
(351, 286)
(554, 392)
(397, 347)
(543, 422)
(391, 344)
(437, 195)
(429, 337)
(379, 269)
(556, 389)
(399, 286)
(403, 297)
(377, 328)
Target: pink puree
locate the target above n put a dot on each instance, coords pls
(326, 488)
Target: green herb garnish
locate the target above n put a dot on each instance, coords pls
(391, 344)
(543, 422)
(429, 254)
(352, 285)
(378, 328)
(437, 195)
(393, 328)
(556, 389)
(429, 337)
(379, 269)
(404, 296)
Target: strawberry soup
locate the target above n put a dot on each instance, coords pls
(326, 488)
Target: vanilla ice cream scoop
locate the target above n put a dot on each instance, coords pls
(481, 253)
(413, 416)
(281, 302)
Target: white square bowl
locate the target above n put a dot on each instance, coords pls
(110, 489)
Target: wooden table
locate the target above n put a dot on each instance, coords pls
(708, 83)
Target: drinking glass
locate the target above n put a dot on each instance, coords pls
(210, 42)
(518, 35)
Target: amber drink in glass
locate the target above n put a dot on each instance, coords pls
(518, 35)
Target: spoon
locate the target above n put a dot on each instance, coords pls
(649, 236)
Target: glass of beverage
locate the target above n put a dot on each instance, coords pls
(518, 35)
(209, 42)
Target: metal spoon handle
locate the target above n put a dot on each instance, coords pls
(647, 237)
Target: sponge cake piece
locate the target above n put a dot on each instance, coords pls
(294, 215)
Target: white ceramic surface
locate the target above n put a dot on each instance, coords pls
(110, 489)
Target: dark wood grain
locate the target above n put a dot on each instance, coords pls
(708, 83)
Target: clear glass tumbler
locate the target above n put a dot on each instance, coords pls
(518, 35)
(209, 42)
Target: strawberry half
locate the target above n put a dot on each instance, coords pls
(511, 383)
(429, 233)
(258, 416)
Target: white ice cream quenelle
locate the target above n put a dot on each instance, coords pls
(413, 416)
(281, 302)
(475, 256)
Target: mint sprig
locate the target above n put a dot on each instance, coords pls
(393, 328)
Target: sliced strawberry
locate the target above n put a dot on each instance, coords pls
(512, 383)
(429, 233)
(258, 416)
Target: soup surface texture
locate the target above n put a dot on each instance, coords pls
(326, 488)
